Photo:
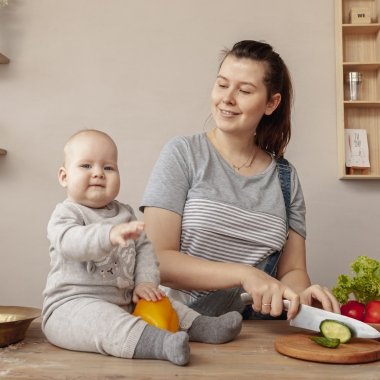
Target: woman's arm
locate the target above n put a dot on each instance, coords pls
(292, 271)
(291, 268)
(181, 271)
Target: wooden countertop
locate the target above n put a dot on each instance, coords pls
(251, 356)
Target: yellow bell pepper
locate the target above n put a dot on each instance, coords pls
(160, 314)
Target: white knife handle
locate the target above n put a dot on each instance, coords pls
(247, 300)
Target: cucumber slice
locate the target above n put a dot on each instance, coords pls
(326, 342)
(332, 329)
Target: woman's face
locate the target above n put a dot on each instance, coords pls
(239, 98)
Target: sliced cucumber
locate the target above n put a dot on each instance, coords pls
(332, 329)
(326, 342)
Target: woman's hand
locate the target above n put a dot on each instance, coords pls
(148, 291)
(316, 295)
(292, 272)
(268, 293)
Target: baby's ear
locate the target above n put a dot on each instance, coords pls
(62, 176)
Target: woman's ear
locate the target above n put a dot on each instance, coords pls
(62, 176)
(273, 104)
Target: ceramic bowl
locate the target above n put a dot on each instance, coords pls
(14, 321)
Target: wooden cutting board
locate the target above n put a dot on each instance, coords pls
(300, 346)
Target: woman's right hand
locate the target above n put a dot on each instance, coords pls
(268, 293)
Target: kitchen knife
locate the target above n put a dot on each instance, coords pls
(310, 318)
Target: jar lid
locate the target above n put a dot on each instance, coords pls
(354, 76)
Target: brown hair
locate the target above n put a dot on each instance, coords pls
(274, 131)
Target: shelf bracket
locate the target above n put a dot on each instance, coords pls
(3, 59)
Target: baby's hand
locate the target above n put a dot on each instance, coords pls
(148, 291)
(121, 233)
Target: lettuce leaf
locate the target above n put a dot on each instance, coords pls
(364, 284)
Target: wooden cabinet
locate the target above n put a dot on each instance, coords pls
(358, 50)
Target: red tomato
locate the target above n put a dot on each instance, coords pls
(372, 312)
(353, 309)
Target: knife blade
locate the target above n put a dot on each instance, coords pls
(309, 318)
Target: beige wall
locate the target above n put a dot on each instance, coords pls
(142, 71)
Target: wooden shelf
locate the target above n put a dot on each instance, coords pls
(361, 28)
(360, 66)
(3, 152)
(361, 104)
(361, 176)
(3, 59)
(358, 49)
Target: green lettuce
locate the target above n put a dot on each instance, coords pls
(364, 284)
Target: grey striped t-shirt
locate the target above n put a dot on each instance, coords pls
(225, 216)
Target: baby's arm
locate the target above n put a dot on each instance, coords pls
(75, 237)
(121, 233)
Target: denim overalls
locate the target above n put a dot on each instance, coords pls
(222, 301)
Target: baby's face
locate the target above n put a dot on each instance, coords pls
(90, 175)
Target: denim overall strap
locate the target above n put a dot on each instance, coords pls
(284, 173)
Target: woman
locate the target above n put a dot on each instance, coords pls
(214, 205)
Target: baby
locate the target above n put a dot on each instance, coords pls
(102, 263)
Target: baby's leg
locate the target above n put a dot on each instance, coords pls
(220, 329)
(155, 343)
(206, 329)
(93, 325)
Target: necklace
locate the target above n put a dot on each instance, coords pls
(247, 164)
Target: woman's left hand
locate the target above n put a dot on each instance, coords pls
(316, 295)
